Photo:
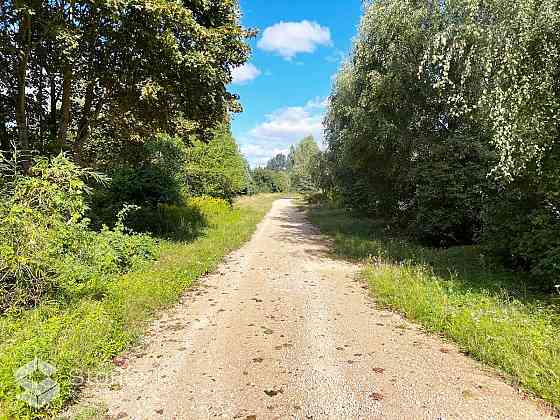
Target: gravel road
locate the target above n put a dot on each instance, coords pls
(282, 330)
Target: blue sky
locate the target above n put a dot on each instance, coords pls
(284, 87)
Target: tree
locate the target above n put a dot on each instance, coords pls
(446, 121)
(302, 160)
(216, 168)
(381, 115)
(119, 70)
(278, 163)
(507, 56)
(268, 181)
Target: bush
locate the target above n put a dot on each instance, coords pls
(171, 221)
(217, 168)
(156, 179)
(157, 189)
(316, 198)
(46, 246)
(523, 229)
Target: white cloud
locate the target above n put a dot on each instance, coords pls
(244, 73)
(260, 154)
(290, 38)
(283, 128)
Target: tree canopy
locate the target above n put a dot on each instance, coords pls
(216, 168)
(445, 121)
(115, 70)
(278, 163)
(302, 159)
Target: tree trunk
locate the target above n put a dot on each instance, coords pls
(41, 99)
(4, 141)
(53, 99)
(66, 96)
(88, 114)
(85, 120)
(21, 114)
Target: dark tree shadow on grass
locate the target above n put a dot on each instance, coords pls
(359, 238)
(181, 223)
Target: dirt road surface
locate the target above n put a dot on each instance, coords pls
(282, 330)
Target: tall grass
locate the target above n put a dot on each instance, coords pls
(494, 315)
(83, 335)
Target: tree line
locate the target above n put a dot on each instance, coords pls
(296, 171)
(445, 121)
(136, 89)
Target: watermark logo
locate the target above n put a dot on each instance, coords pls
(39, 388)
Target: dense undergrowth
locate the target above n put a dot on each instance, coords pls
(47, 249)
(496, 316)
(82, 332)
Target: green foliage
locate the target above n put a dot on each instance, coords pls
(181, 222)
(523, 229)
(280, 162)
(498, 62)
(84, 335)
(451, 192)
(216, 168)
(299, 171)
(380, 115)
(302, 161)
(56, 186)
(446, 121)
(121, 70)
(166, 174)
(269, 181)
(494, 315)
(154, 181)
(507, 66)
(46, 247)
(98, 80)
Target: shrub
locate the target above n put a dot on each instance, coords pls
(523, 229)
(216, 168)
(171, 221)
(210, 207)
(46, 246)
(156, 189)
(156, 179)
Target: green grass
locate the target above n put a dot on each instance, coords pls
(81, 337)
(492, 314)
